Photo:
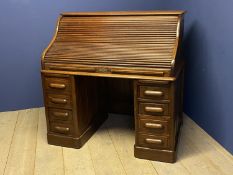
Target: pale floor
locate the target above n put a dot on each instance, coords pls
(24, 150)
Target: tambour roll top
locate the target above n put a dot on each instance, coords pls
(132, 43)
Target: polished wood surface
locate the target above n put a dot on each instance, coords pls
(116, 62)
(24, 150)
(125, 13)
(107, 43)
(157, 118)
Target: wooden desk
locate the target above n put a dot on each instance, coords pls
(122, 62)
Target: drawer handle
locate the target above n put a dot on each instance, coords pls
(153, 109)
(63, 115)
(153, 93)
(62, 129)
(154, 141)
(57, 86)
(58, 100)
(153, 125)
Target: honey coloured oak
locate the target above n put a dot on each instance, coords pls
(116, 62)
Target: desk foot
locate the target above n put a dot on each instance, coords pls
(74, 142)
(155, 154)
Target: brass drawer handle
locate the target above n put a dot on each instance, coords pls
(153, 93)
(154, 141)
(62, 115)
(153, 125)
(153, 109)
(62, 129)
(58, 100)
(57, 86)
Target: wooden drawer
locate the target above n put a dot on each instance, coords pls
(61, 128)
(60, 115)
(153, 109)
(154, 82)
(58, 101)
(57, 84)
(151, 141)
(153, 126)
(153, 92)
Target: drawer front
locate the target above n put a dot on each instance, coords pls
(61, 128)
(153, 126)
(60, 115)
(152, 92)
(150, 141)
(153, 109)
(57, 84)
(58, 101)
(154, 82)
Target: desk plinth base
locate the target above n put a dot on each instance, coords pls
(70, 142)
(155, 154)
(60, 140)
(74, 142)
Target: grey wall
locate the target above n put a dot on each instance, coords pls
(26, 27)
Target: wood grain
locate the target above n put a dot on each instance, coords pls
(105, 160)
(125, 13)
(108, 41)
(193, 160)
(116, 39)
(198, 153)
(212, 153)
(208, 140)
(121, 132)
(22, 152)
(7, 126)
(49, 158)
(78, 161)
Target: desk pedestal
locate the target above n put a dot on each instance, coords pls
(77, 105)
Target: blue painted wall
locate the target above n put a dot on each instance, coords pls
(209, 78)
(208, 44)
(26, 27)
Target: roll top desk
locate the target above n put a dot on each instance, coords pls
(122, 62)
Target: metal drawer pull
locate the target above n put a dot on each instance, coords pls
(57, 86)
(153, 125)
(62, 129)
(153, 93)
(58, 100)
(154, 141)
(153, 109)
(63, 115)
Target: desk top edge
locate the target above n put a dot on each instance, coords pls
(125, 13)
(139, 77)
